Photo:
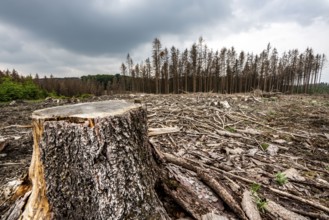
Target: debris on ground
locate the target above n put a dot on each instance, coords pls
(236, 156)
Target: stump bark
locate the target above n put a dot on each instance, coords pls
(92, 161)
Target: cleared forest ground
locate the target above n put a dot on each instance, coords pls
(278, 142)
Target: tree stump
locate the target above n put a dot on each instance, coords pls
(92, 161)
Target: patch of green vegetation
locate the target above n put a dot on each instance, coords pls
(281, 178)
(264, 146)
(85, 96)
(55, 96)
(261, 204)
(327, 167)
(319, 88)
(230, 129)
(255, 187)
(12, 90)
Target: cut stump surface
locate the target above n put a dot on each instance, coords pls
(92, 161)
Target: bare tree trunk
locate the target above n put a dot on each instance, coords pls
(92, 161)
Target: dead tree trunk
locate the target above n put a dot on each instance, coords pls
(92, 161)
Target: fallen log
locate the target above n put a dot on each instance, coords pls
(279, 212)
(92, 161)
(249, 206)
(208, 179)
(185, 188)
(222, 192)
(300, 199)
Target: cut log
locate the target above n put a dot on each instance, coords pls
(92, 161)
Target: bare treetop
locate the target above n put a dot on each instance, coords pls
(86, 110)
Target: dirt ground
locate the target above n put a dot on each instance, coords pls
(255, 136)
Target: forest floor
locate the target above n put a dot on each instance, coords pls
(274, 146)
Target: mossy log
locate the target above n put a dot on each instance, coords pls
(92, 161)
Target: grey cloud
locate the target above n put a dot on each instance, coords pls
(304, 12)
(7, 45)
(75, 37)
(109, 27)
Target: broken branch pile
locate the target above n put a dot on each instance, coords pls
(236, 153)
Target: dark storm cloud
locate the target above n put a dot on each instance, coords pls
(108, 27)
(74, 37)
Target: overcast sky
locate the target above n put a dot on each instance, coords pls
(78, 37)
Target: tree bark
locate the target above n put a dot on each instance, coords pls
(92, 161)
